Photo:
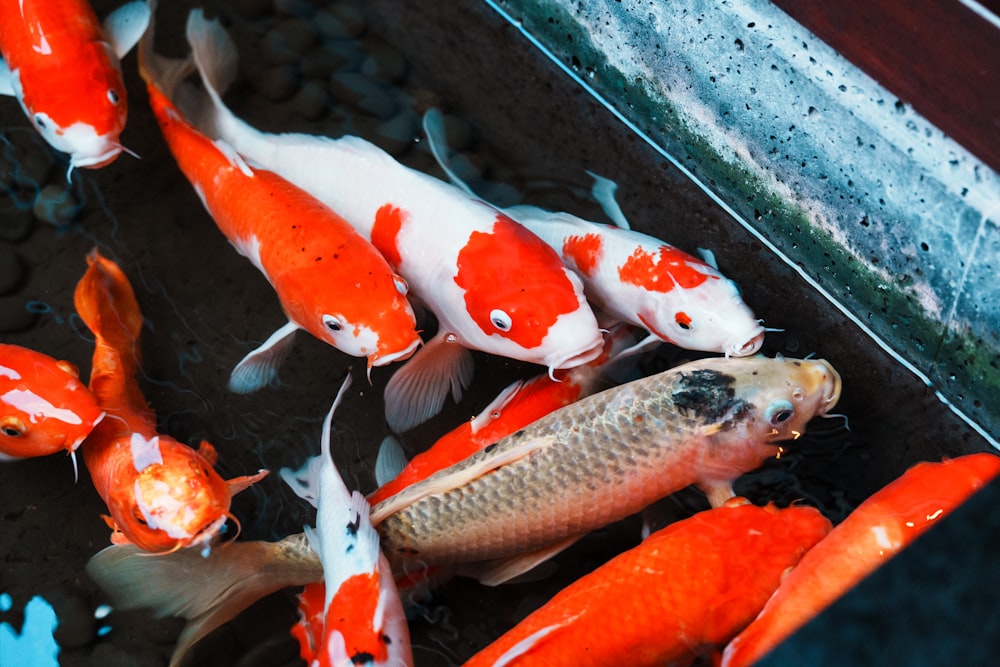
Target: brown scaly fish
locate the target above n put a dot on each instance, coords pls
(534, 492)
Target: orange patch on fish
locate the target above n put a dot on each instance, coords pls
(388, 221)
(585, 250)
(352, 612)
(662, 271)
(512, 270)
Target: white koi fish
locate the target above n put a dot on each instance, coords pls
(492, 284)
(636, 278)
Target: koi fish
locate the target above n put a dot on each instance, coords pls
(520, 404)
(62, 66)
(359, 618)
(492, 285)
(44, 407)
(530, 495)
(634, 277)
(161, 494)
(691, 585)
(331, 281)
(873, 533)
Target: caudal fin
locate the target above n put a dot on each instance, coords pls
(207, 591)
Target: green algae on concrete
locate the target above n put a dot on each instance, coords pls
(888, 216)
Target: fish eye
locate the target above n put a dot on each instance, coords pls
(113, 96)
(332, 323)
(401, 285)
(40, 120)
(500, 319)
(11, 431)
(779, 412)
(138, 516)
(683, 320)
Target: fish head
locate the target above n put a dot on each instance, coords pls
(79, 113)
(177, 500)
(522, 300)
(379, 324)
(44, 407)
(701, 309)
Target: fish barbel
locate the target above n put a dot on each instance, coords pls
(603, 458)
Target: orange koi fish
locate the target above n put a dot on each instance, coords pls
(162, 495)
(492, 285)
(43, 405)
(873, 533)
(633, 277)
(689, 586)
(520, 404)
(62, 66)
(331, 281)
(354, 617)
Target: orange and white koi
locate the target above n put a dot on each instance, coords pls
(162, 495)
(62, 66)
(687, 587)
(331, 281)
(359, 619)
(873, 533)
(634, 277)
(44, 407)
(493, 285)
(520, 404)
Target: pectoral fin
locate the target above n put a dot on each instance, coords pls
(260, 367)
(417, 391)
(390, 462)
(433, 123)
(126, 25)
(458, 475)
(718, 492)
(603, 192)
(244, 482)
(502, 571)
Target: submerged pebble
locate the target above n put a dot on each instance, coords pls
(56, 205)
(115, 655)
(288, 41)
(312, 101)
(77, 626)
(15, 224)
(11, 269)
(363, 94)
(396, 134)
(384, 62)
(253, 9)
(278, 84)
(14, 315)
(340, 21)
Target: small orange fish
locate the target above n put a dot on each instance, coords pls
(691, 585)
(43, 405)
(62, 66)
(879, 528)
(331, 281)
(162, 495)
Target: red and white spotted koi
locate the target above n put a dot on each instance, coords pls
(493, 285)
(62, 66)
(331, 281)
(636, 278)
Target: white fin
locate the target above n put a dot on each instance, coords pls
(6, 79)
(708, 257)
(522, 647)
(497, 405)
(304, 481)
(458, 475)
(207, 591)
(502, 571)
(214, 52)
(718, 492)
(260, 367)
(125, 26)
(390, 462)
(433, 123)
(416, 392)
(235, 159)
(650, 342)
(603, 191)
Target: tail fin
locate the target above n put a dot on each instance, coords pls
(160, 71)
(217, 62)
(207, 591)
(106, 303)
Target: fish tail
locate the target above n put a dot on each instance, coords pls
(159, 71)
(106, 303)
(207, 591)
(217, 61)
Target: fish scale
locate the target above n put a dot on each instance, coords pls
(606, 457)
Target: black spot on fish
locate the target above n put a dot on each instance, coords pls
(349, 549)
(386, 639)
(362, 658)
(352, 527)
(490, 448)
(517, 435)
(707, 393)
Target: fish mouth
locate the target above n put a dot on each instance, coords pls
(749, 347)
(577, 358)
(73, 446)
(386, 359)
(829, 380)
(97, 161)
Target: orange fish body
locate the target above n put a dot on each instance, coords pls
(62, 65)
(691, 585)
(44, 407)
(161, 494)
(874, 532)
(330, 280)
